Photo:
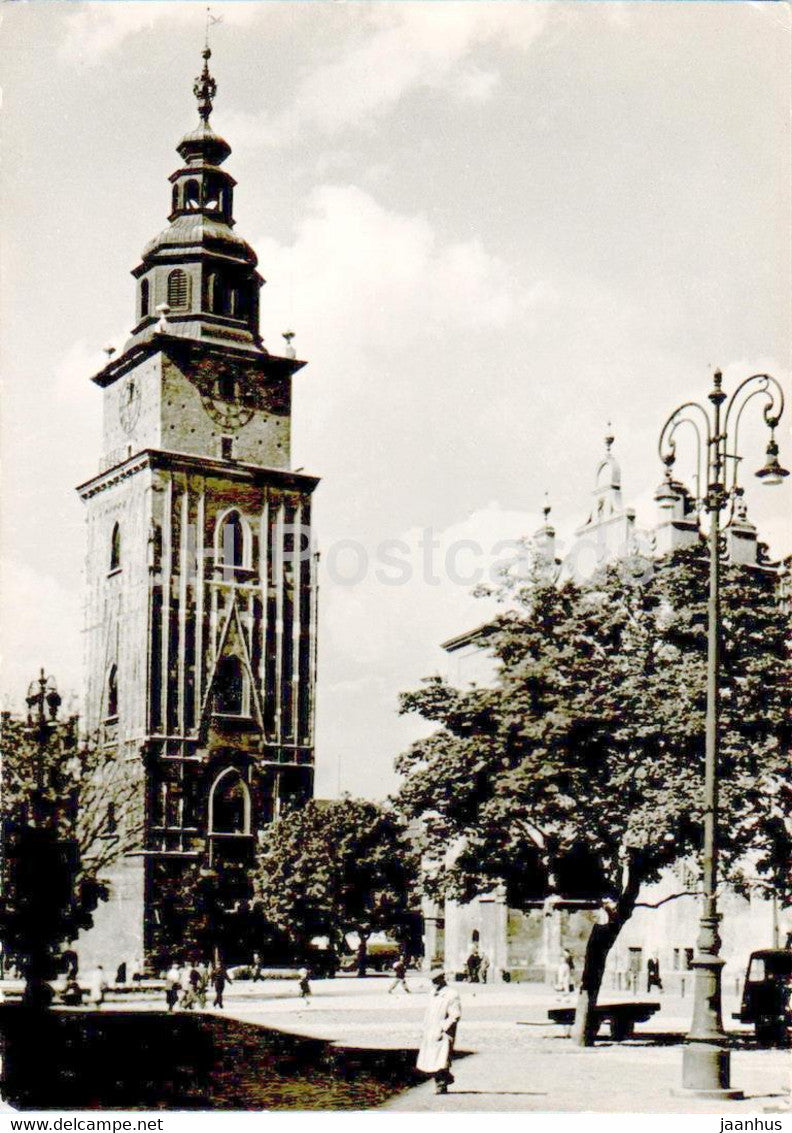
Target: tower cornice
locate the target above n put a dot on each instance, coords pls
(163, 459)
(175, 346)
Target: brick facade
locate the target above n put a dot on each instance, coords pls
(200, 571)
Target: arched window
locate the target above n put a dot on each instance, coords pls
(145, 300)
(112, 691)
(192, 195)
(178, 289)
(211, 193)
(230, 687)
(175, 198)
(115, 548)
(213, 293)
(231, 548)
(229, 805)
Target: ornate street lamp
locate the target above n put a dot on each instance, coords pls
(43, 701)
(705, 1063)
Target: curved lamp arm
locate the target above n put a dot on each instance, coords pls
(667, 444)
(773, 410)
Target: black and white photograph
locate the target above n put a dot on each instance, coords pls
(396, 560)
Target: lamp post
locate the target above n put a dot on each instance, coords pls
(705, 1060)
(43, 701)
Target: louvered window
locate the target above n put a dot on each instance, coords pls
(178, 289)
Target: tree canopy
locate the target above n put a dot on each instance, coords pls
(580, 771)
(67, 813)
(336, 867)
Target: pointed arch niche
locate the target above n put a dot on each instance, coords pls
(229, 805)
(231, 687)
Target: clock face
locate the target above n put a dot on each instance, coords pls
(129, 407)
(228, 396)
(232, 393)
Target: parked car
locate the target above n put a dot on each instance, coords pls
(380, 957)
(767, 995)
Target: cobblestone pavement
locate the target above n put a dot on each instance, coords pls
(510, 1058)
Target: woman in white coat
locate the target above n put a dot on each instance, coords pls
(439, 1034)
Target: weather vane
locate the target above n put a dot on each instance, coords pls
(210, 20)
(205, 87)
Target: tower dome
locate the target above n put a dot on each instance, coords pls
(198, 266)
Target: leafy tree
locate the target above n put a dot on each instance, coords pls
(67, 813)
(580, 771)
(335, 867)
(204, 911)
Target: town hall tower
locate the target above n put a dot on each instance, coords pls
(201, 588)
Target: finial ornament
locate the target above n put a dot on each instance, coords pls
(205, 87)
(609, 437)
(716, 395)
(288, 335)
(547, 508)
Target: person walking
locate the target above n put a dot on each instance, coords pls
(203, 983)
(97, 987)
(304, 985)
(172, 986)
(399, 976)
(220, 978)
(473, 965)
(190, 996)
(653, 974)
(565, 974)
(256, 968)
(484, 969)
(439, 1033)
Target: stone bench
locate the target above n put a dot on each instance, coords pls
(620, 1017)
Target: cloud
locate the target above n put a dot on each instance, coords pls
(400, 49)
(78, 362)
(379, 639)
(98, 28)
(417, 588)
(387, 278)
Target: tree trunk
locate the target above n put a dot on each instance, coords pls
(598, 947)
(362, 954)
(601, 940)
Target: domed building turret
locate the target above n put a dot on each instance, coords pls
(198, 266)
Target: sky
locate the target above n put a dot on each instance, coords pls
(494, 227)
